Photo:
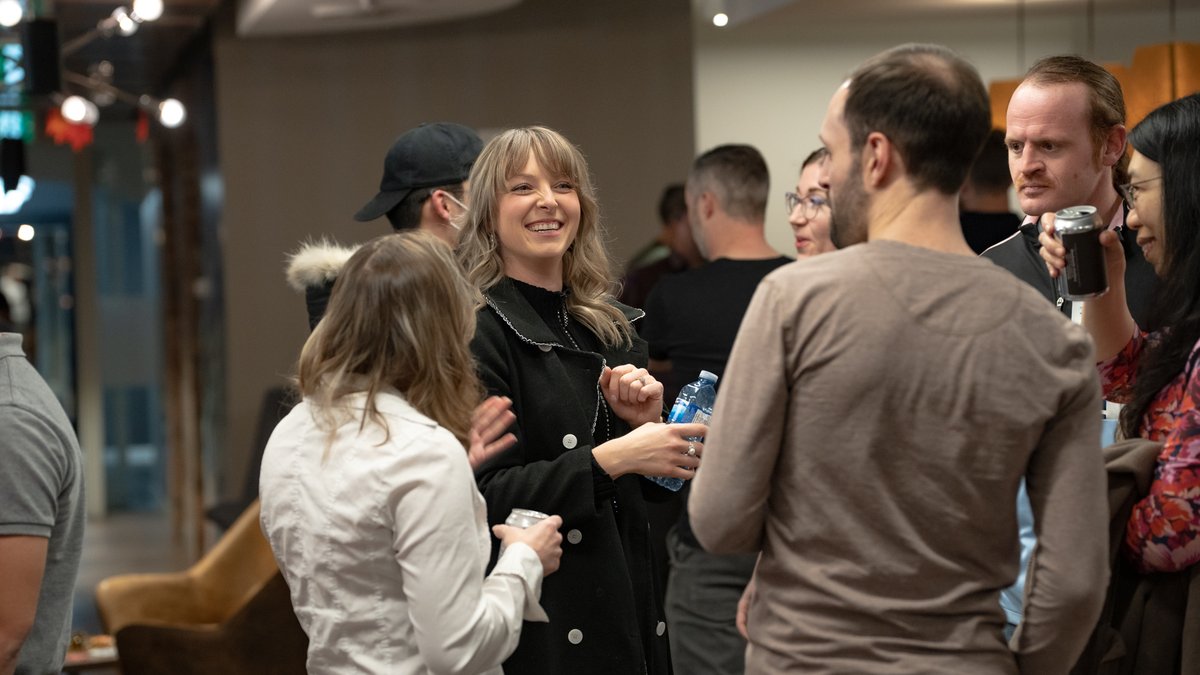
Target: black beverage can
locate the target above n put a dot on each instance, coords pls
(1086, 274)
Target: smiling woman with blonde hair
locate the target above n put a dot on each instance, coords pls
(367, 496)
(585, 263)
(548, 332)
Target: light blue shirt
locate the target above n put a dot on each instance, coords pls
(1012, 599)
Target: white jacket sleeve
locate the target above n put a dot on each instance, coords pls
(463, 623)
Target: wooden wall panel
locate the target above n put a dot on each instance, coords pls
(1159, 74)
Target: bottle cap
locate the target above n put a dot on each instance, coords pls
(705, 375)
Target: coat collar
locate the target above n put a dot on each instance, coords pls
(515, 311)
(388, 401)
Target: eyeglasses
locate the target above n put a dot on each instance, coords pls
(812, 204)
(1129, 191)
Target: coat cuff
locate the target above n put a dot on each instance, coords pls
(603, 486)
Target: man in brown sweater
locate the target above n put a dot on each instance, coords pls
(882, 404)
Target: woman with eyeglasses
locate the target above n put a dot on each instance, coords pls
(808, 209)
(1157, 375)
(551, 338)
(368, 500)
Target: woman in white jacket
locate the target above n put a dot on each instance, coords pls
(368, 499)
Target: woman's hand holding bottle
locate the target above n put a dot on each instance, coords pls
(653, 449)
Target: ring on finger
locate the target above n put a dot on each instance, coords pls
(691, 449)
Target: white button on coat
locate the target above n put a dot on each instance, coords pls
(660, 628)
(569, 441)
(574, 536)
(545, 348)
(575, 636)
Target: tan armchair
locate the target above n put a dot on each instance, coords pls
(262, 638)
(209, 592)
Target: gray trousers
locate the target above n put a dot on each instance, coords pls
(702, 595)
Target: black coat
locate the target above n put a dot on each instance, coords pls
(1150, 621)
(604, 616)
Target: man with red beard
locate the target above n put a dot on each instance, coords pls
(1066, 146)
(883, 402)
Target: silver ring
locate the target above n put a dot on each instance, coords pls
(691, 449)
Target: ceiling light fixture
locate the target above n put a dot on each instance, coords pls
(81, 102)
(169, 112)
(122, 21)
(147, 10)
(79, 110)
(11, 12)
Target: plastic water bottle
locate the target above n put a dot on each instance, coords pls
(694, 404)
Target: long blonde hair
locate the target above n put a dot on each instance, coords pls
(401, 317)
(586, 267)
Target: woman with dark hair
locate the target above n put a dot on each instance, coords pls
(808, 208)
(551, 337)
(1157, 375)
(367, 496)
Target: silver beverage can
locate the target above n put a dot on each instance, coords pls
(1086, 273)
(524, 518)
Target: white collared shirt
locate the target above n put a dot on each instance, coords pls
(384, 545)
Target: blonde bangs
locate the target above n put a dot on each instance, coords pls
(586, 266)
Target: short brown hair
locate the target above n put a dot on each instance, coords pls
(817, 155)
(931, 105)
(737, 175)
(1106, 100)
(673, 204)
(990, 171)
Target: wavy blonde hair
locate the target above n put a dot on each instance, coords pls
(401, 317)
(586, 267)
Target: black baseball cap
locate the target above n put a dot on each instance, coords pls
(430, 155)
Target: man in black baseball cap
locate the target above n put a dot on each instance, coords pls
(424, 178)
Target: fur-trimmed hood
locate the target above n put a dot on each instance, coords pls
(312, 270)
(317, 263)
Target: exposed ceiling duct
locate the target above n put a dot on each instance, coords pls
(290, 17)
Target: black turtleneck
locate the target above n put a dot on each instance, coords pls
(551, 307)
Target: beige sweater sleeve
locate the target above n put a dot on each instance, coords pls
(729, 494)
(1069, 571)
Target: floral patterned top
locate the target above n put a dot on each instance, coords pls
(1164, 530)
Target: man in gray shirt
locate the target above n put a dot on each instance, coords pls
(882, 404)
(41, 518)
